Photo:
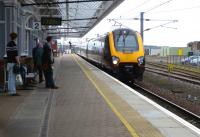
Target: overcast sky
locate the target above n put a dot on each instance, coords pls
(173, 34)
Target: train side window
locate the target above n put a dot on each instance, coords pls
(101, 47)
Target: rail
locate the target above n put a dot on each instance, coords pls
(186, 114)
(182, 77)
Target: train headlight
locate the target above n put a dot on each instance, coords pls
(141, 60)
(115, 60)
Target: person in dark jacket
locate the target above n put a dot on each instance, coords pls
(47, 63)
(12, 59)
(37, 53)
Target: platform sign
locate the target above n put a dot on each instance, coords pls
(51, 21)
(180, 51)
(37, 25)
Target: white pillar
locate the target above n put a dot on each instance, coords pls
(11, 17)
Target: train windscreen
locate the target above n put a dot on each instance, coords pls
(126, 41)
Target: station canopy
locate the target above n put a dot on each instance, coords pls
(77, 16)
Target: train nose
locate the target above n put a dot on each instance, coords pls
(128, 68)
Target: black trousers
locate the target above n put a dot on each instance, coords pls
(38, 68)
(48, 74)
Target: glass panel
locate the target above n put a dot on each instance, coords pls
(2, 40)
(8, 23)
(2, 11)
(126, 42)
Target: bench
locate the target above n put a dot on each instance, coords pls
(28, 74)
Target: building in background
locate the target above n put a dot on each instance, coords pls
(195, 47)
(152, 50)
(175, 51)
(15, 18)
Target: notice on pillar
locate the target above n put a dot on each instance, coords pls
(37, 25)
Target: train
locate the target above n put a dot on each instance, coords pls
(120, 51)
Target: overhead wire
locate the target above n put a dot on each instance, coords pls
(177, 10)
(162, 25)
(117, 22)
(159, 5)
(144, 19)
(155, 7)
(138, 6)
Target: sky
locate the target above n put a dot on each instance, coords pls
(174, 34)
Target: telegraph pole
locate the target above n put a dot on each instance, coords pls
(142, 25)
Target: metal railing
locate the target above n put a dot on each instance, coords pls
(183, 61)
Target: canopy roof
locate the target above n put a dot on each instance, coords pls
(78, 16)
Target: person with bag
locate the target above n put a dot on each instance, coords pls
(37, 59)
(47, 64)
(12, 62)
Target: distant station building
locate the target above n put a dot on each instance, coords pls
(166, 51)
(152, 50)
(174, 51)
(195, 47)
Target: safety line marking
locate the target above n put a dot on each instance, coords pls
(174, 116)
(110, 104)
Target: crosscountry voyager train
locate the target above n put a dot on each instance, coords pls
(120, 51)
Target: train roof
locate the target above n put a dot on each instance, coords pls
(127, 29)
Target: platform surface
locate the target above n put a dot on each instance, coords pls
(88, 103)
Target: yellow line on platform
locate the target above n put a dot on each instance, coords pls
(113, 108)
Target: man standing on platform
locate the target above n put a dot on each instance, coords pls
(37, 59)
(47, 62)
(12, 59)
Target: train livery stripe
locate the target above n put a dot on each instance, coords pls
(111, 43)
(140, 43)
(110, 104)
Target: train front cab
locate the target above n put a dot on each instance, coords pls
(126, 61)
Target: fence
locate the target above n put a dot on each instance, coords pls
(175, 59)
(167, 59)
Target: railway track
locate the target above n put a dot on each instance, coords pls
(194, 79)
(178, 110)
(178, 69)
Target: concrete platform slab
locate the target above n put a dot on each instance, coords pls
(88, 103)
(146, 109)
(77, 108)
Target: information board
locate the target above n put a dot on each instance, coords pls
(47, 21)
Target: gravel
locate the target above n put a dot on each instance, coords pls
(186, 95)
